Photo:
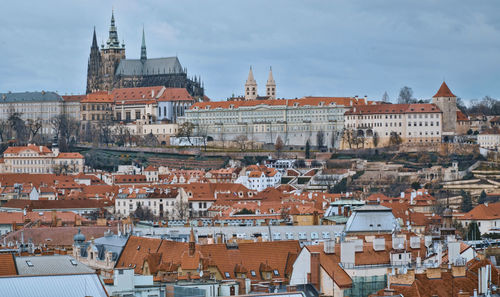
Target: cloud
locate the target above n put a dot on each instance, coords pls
(332, 48)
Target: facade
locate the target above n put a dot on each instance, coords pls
(294, 120)
(259, 177)
(40, 159)
(163, 203)
(489, 139)
(109, 69)
(95, 109)
(37, 106)
(412, 123)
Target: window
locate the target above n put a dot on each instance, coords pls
(226, 274)
(73, 262)
(120, 271)
(252, 272)
(276, 272)
(29, 263)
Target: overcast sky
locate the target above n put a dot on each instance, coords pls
(321, 48)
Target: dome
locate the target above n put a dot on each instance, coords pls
(79, 237)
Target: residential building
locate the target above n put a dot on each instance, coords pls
(165, 202)
(489, 139)
(295, 121)
(40, 159)
(259, 177)
(487, 217)
(95, 109)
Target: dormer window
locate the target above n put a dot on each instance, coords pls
(276, 272)
(227, 275)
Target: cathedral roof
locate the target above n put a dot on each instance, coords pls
(30, 96)
(131, 67)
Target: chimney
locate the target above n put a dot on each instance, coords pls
(403, 277)
(315, 273)
(433, 272)
(347, 250)
(329, 247)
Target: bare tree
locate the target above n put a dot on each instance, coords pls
(278, 146)
(320, 139)
(406, 95)
(34, 127)
(65, 128)
(182, 209)
(17, 125)
(385, 97)
(241, 140)
(395, 139)
(122, 135)
(150, 140)
(333, 139)
(375, 139)
(186, 130)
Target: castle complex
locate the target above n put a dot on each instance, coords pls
(108, 68)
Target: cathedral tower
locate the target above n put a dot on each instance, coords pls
(111, 55)
(250, 87)
(271, 85)
(94, 66)
(447, 102)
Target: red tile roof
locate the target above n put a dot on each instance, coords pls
(306, 101)
(461, 117)
(98, 97)
(125, 94)
(73, 98)
(70, 156)
(175, 94)
(488, 211)
(36, 148)
(444, 91)
(394, 109)
(7, 264)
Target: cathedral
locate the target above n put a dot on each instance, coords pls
(109, 69)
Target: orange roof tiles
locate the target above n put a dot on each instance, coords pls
(461, 117)
(73, 98)
(70, 156)
(98, 97)
(125, 94)
(488, 211)
(444, 91)
(394, 109)
(175, 94)
(306, 101)
(36, 148)
(7, 264)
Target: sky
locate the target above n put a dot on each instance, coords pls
(315, 48)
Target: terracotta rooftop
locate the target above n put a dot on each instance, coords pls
(7, 264)
(444, 91)
(394, 109)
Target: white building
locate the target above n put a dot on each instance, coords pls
(259, 177)
(294, 120)
(40, 159)
(163, 202)
(412, 123)
(489, 139)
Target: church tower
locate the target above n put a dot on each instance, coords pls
(94, 66)
(111, 55)
(250, 87)
(271, 85)
(447, 103)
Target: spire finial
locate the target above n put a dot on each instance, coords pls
(94, 40)
(143, 46)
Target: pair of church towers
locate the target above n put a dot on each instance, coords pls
(251, 86)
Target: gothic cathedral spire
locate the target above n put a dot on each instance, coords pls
(271, 85)
(94, 66)
(143, 47)
(250, 86)
(113, 41)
